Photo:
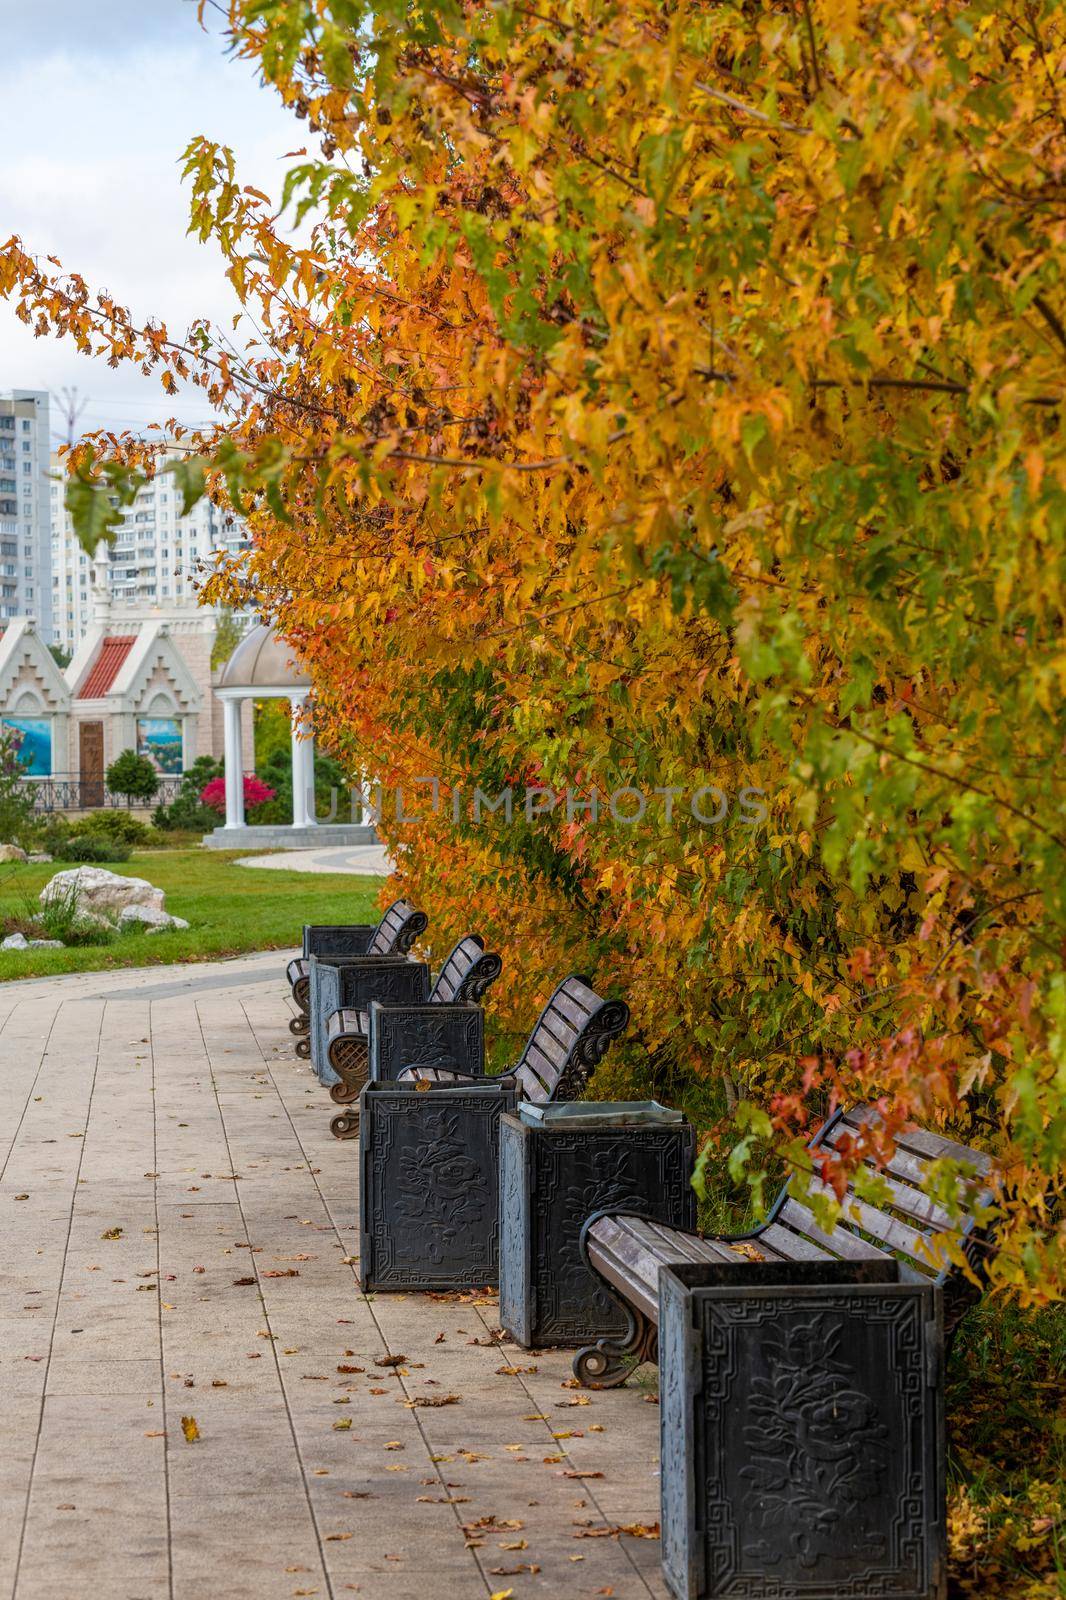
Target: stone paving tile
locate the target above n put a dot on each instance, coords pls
(187, 1248)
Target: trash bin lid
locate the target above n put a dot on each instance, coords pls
(600, 1114)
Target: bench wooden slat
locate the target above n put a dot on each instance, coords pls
(632, 1287)
(628, 1252)
(574, 1005)
(839, 1243)
(906, 1196)
(676, 1245)
(928, 1146)
(897, 1235)
(790, 1246)
(911, 1168)
(558, 1057)
(550, 1050)
(543, 1065)
(530, 1085)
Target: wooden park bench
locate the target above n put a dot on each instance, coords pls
(571, 1037)
(628, 1251)
(393, 935)
(463, 980)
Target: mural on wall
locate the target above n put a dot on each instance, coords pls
(33, 737)
(159, 738)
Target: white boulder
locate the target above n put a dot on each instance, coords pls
(11, 852)
(149, 918)
(95, 890)
(19, 941)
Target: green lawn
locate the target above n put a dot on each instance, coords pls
(231, 910)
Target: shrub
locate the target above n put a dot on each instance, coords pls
(186, 811)
(118, 826)
(256, 793)
(133, 776)
(49, 834)
(88, 848)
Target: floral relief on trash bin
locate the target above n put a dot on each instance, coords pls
(442, 1189)
(818, 1448)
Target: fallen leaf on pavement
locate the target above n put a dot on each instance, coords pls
(189, 1429)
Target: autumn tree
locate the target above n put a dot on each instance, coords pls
(669, 399)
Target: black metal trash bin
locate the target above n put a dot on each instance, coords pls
(802, 1432)
(429, 1185)
(559, 1164)
(429, 1035)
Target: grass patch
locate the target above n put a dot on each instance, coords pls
(232, 910)
(1006, 1413)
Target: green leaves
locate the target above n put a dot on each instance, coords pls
(96, 495)
(190, 476)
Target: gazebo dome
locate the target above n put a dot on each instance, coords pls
(262, 661)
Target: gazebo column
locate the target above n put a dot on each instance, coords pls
(303, 768)
(234, 757)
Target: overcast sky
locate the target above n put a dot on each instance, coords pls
(99, 98)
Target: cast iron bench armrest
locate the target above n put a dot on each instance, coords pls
(627, 1251)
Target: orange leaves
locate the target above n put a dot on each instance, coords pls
(648, 412)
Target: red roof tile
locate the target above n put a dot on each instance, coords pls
(105, 668)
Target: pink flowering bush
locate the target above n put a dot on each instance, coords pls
(256, 793)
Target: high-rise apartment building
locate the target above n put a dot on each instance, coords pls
(151, 569)
(25, 508)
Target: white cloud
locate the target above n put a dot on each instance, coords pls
(96, 123)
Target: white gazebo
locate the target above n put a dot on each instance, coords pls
(262, 668)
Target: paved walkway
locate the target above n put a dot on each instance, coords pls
(177, 1230)
(369, 860)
